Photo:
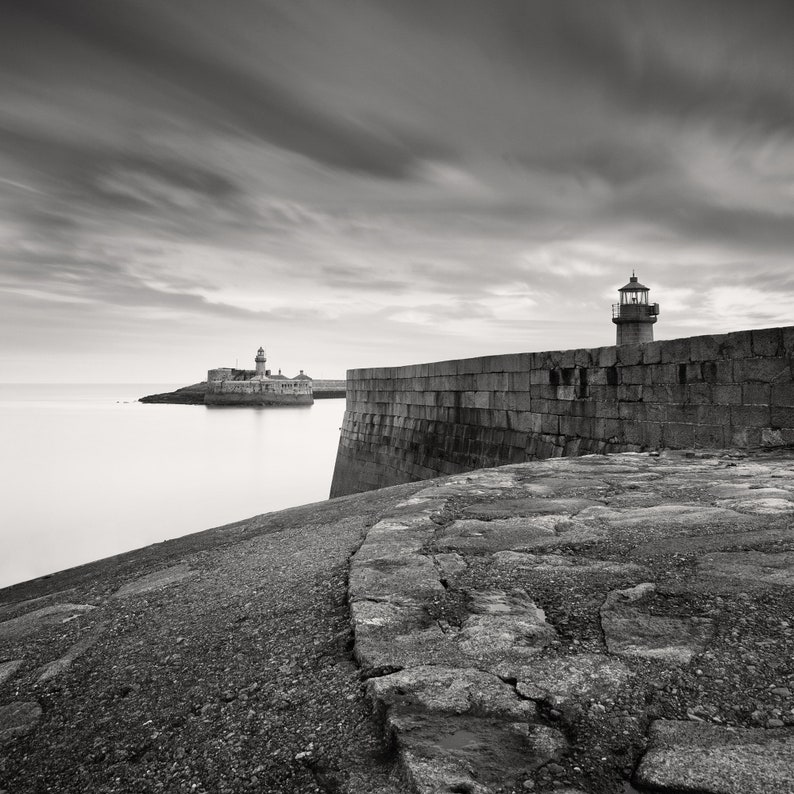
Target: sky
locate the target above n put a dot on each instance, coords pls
(356, 183)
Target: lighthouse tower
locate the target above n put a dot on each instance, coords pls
(261, 363)
(634, 316)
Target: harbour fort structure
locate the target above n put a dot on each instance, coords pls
(416, 422)
(228, 386)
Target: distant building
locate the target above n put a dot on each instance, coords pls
(227, 386)
(634, 315)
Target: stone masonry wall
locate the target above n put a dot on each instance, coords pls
(254, 392)
(411, 423)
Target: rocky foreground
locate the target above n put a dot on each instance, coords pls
(585, 625)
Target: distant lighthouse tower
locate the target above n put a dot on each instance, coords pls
(634, 316)
(261, 363)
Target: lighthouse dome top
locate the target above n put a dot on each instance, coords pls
(634, 286)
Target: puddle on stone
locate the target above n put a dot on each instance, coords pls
(460, 740)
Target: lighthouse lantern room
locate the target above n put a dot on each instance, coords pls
(634, 315)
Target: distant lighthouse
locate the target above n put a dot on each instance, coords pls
(261, 363)
(634, 316)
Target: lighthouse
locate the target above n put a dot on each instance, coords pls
(261, 363)
(634, 315)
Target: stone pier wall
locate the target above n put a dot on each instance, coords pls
(417, 422)
(256, 392)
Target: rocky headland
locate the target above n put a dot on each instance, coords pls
(194, 394)
(590, 625)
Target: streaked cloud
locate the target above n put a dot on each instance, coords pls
(373, 183)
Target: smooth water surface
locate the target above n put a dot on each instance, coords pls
(86, 471)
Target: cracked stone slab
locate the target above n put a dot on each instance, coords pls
(404, 523)
(529, 506)
(388, 539)
(8, 668)
(504, 624)
(401, 576)
(450, 690)
(675, 516)
(710, 543)
(747, 490)
(484, 482)
(560, 680)
(423, 503)
(560, 562)
(156, 581)
(471, 534)
(631, 630)
(40, 619)
(571, 532)
(750, 567)
(476, 755)
(450, 565)
(565, 486)
(390, 635)
(18, 718)
(758, 505)
(711, 759)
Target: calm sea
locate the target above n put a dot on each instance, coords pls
(87, 472)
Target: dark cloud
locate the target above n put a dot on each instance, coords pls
(711, 60)
(157, 49)
(615, 162)
(691, 216)
(403, 167)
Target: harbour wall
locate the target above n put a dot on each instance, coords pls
(410, 423)
(257, 392)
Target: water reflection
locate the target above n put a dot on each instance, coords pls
(88, 472)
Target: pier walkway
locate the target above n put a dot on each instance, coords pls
(594, 625)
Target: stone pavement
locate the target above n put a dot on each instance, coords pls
(589, 625)
(595, 625)
(216, 663)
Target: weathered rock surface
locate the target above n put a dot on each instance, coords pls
(7, 669)
(473, 534)
(610, 594)
(594, 625)
(41, 619)
(450, 690)
(442, 753)
(751, 568)
(224, 667)
(503, 626)
(561, 680)
(686, 756)
(17, 719)
(56, 667)
(155, 581)
(631, 630)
